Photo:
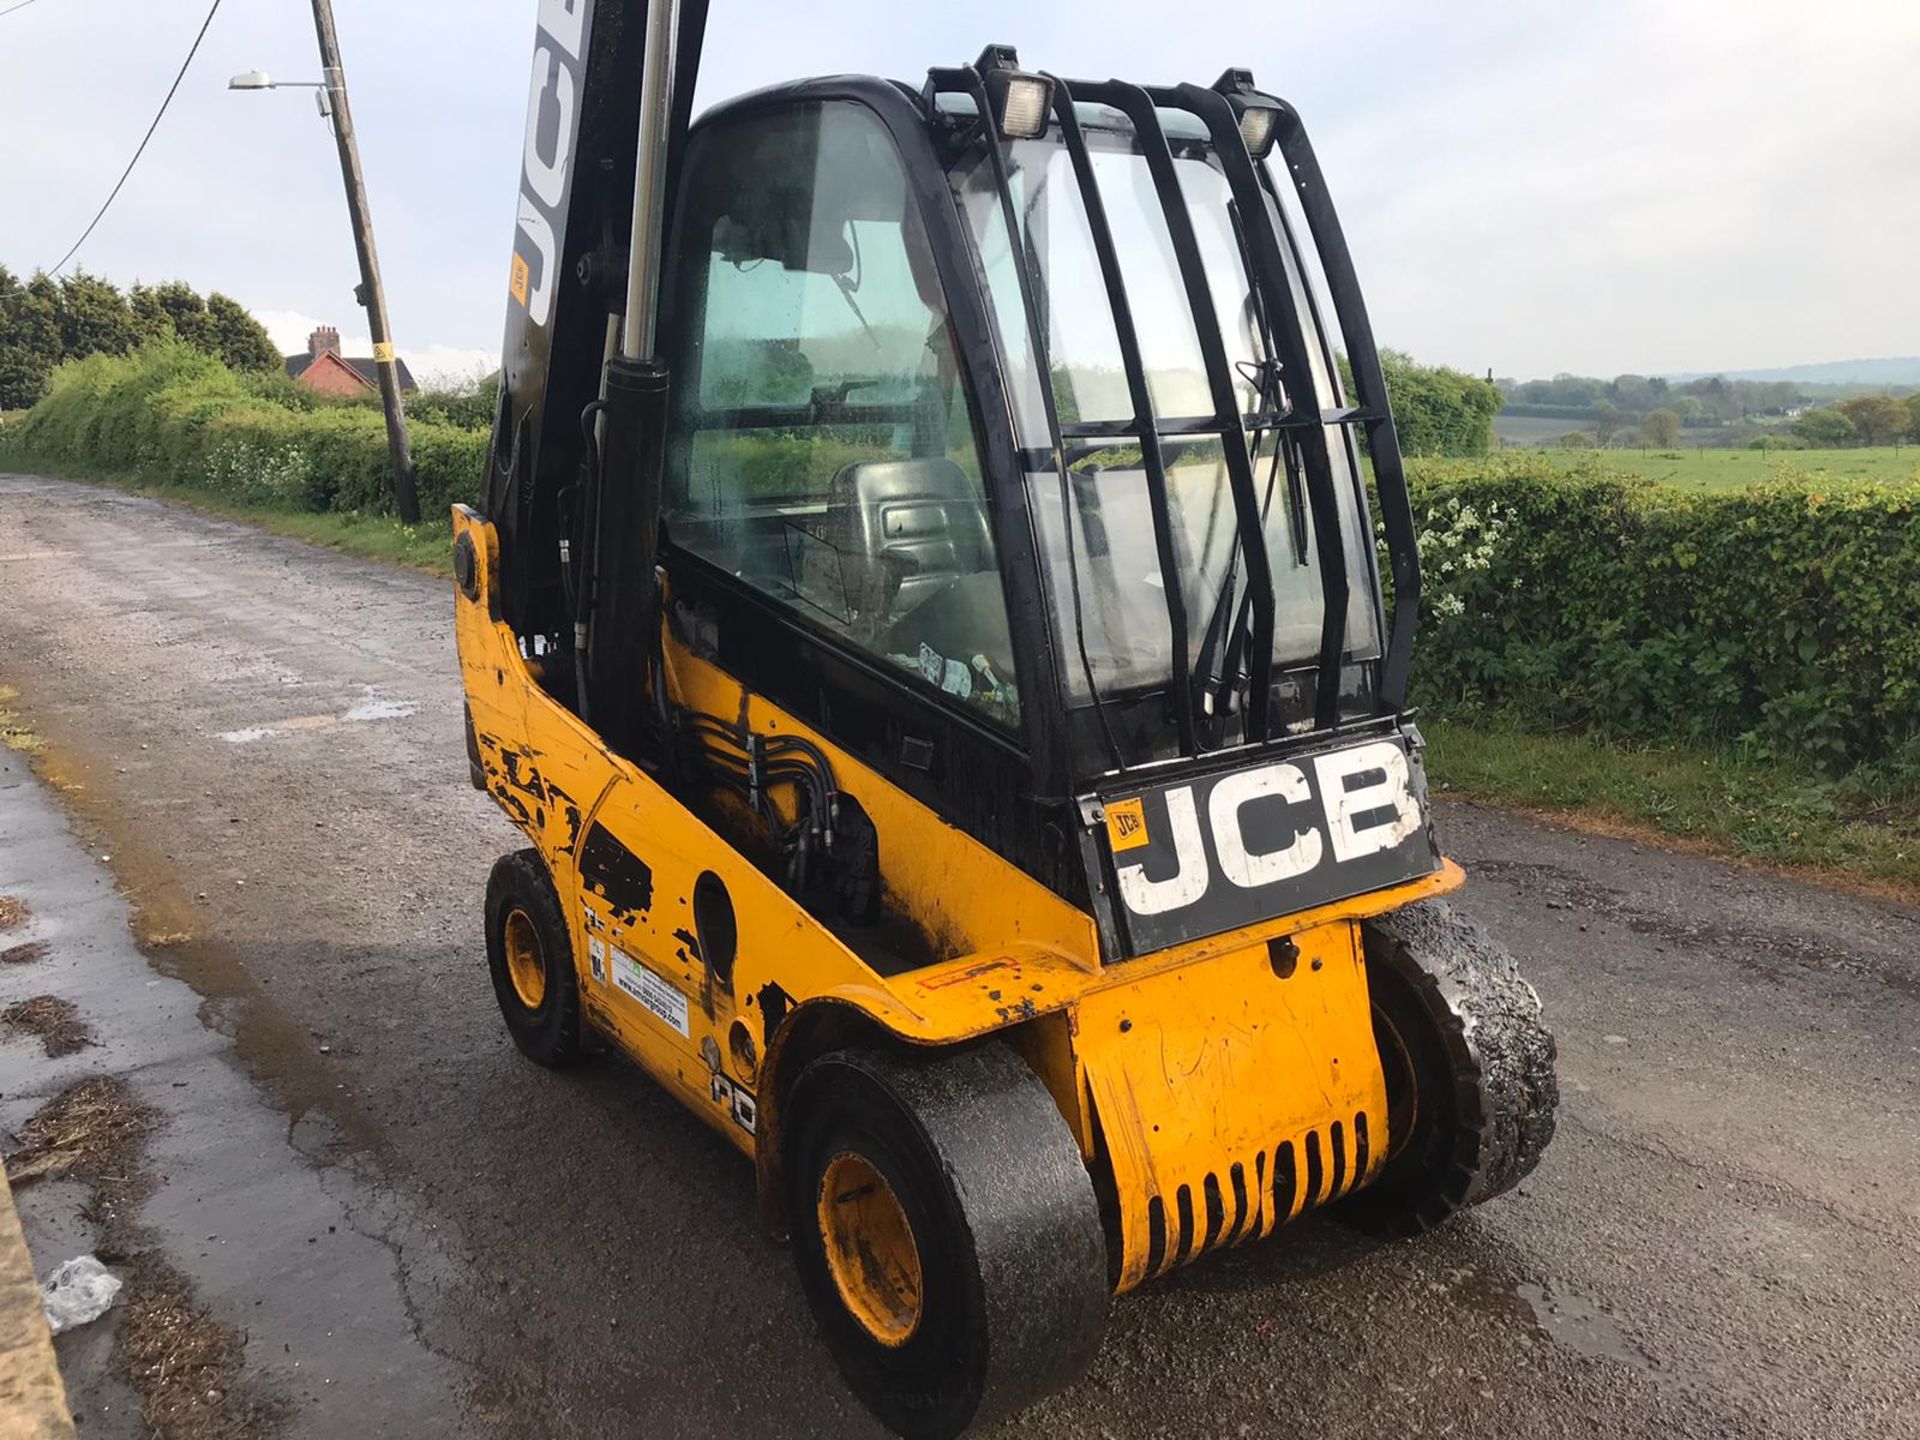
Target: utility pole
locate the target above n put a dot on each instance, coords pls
(370, 294)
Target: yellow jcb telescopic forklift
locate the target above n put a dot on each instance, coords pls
(924, 616)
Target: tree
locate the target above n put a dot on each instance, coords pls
(1880, 419)
(1660, 428)
(1825, 429)
(1438, 410)
(94, 318)
(237, 338)
(1576, 440)
(149, 316)
(1913, 407)
(175, 307)
(1606, 422)
(29, 338)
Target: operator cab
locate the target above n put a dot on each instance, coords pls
(1009, 442)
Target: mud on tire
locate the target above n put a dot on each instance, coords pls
(1471, 1090)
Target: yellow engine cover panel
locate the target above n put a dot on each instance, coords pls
(1234, 1093)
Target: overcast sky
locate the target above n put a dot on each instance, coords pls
(1645, 185)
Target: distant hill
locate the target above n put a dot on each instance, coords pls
(1899, 370)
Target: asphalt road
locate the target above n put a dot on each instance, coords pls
(266, 738)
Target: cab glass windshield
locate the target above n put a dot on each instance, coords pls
(1115, 635)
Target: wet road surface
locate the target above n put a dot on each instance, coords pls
(1721, 1241)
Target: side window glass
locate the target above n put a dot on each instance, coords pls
(824, 445)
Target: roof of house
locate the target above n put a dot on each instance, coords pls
(297, 366)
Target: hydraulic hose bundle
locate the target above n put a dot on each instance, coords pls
(753, 765)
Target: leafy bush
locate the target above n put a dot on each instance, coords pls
(1785, 617)
(469, 406)
(169, 415)
(1436, 410)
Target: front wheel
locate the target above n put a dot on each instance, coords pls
(946, 1232)
(1471, 1090)
(530, 954)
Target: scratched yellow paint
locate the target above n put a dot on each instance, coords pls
(1219, 1057)
(1212, 1065)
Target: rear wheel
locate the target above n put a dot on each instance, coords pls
(1469, 1066)
(530, 952)
(946, 1233)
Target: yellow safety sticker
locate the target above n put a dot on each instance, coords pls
(522, 275)
(1126, 824)
(383, 353)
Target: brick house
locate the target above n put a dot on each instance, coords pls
(323, 368)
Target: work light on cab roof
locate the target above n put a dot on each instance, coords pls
(1021, 100)
(1256, 112)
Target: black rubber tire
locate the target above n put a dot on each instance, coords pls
(550, 1034)
(1012, 1254)
(1467, 1058)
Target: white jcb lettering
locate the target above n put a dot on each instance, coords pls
(1189, 882)
(1247, 870)
(547, 179)
(544, 182)
(536, 228)
(565, 21)
(1344, 806)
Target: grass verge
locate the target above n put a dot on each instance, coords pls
(1709, 801)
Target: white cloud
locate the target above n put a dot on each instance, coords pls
(1532, 187)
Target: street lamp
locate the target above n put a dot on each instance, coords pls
(260, 80)
(332, 96)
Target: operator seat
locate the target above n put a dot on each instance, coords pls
(921, 519)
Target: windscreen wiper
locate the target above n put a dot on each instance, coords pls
(1220, 667)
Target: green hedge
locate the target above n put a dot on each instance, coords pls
(1785, 617)
(171, 416)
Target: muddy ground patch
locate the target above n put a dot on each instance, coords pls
(185, 1365)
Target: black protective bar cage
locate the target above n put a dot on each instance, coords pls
(1292, 410)
(1370, 408)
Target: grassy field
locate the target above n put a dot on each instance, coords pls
(1737, 469)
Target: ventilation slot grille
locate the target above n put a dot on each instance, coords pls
(1257, 1195)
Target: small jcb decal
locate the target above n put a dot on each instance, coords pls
(522, 274)
(1127, 824)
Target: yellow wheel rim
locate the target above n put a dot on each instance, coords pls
(870, 1248)
(525, 966)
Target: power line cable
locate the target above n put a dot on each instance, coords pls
(143, 141)
(11, 8)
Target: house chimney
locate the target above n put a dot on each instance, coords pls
(324, 339)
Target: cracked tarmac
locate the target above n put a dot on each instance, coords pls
(1719, 1241)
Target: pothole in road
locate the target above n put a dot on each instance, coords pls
(13, 912)
(373, 708)
(1580, 1325)
(1555, 1313)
